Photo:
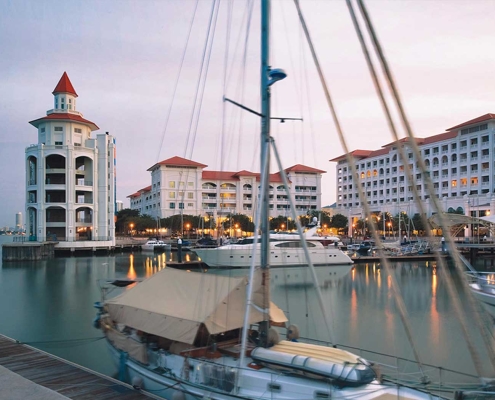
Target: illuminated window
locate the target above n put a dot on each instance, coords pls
(171, 195)
(362, 175)
(171, 184)
(454, 183)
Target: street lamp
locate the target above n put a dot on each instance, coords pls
(282, 227)
(389, 230)
(131, 226)
(187, 230)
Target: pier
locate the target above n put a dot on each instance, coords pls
(28, 374)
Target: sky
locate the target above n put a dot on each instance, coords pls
(136, 79)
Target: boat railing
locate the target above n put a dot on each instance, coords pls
(484, 280)
(407, 372)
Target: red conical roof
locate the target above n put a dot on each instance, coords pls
(64, 86)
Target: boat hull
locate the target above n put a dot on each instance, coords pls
(261, 384)
(240, 256)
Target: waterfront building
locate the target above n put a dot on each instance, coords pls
(460, 162)
(184, 186)
(70, 177)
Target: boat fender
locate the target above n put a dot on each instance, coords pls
(137, 383)
(178, 395)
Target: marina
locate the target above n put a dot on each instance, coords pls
(61, 293)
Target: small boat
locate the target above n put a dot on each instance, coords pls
(156, 245)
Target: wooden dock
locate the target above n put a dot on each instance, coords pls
(61, 376)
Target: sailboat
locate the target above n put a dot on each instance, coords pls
(186, 335)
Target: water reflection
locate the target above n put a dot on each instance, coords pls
(53, 300)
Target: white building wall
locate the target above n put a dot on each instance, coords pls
(461, 170)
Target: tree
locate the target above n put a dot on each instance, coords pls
(126, 217)
(339, 222)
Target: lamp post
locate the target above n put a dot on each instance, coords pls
(131, 226)
(187, 230)
(389, 230)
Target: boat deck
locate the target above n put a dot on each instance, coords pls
(60, 376)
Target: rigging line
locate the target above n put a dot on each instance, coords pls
(198, 85)
(308, 99)
(198, 99)
(249, 290)
(365, 205)
(242, 80)
(400, 148)
(203, 84)
(225, 65)
(489, 342)
(177, 79)
(283, 175)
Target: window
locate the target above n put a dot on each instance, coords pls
(190, 195)
(78, 130)
(181, 206)
(58, 143)
(42, 130)
(171, 184)
(171, 195)
(190, 205)
(190, 184)
(172, 206)
(59, 129)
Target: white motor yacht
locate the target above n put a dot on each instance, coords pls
(156, 245)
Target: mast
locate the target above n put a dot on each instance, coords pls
(265, 163)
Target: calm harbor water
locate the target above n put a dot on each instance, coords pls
(50, 304)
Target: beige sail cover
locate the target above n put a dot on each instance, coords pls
(173, 304)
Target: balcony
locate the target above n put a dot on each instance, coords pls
(83, 182)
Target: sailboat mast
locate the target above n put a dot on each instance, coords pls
(265, 157)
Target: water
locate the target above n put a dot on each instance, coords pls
(53, 301)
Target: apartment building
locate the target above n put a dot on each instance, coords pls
(460, 162)
(184, 186)
(70, 177)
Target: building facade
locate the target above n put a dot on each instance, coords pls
(70, 177)
(460, 162)
(184, 186)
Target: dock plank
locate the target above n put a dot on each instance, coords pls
(63, 377)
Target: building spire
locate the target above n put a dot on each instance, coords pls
(64, 86)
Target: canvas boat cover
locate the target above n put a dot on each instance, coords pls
(174, 303)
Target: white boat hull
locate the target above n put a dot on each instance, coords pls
(264, 384)
(240, 256)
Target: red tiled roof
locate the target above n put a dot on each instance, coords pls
(246, 173)
(146, 189)
(65, 117)
(178, 162)
(64, 86)
(355, 153)
(137, 194)
(304, 168)
(404, 140)
(440, 137)
(483, 118)
(220, 175)
(380, 152)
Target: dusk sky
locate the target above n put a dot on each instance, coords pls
(123, 58)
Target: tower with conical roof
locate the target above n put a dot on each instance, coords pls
(70, 192)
